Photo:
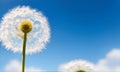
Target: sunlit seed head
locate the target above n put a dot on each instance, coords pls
(80, 71)
(26, 26)
(77, 66)
(20, 20)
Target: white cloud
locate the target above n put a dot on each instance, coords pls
(33, 69)
(15, 66)
(111, 62)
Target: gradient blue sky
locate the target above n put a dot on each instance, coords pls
(80, 29)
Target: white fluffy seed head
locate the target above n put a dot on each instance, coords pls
(11, 34)
(77, 66)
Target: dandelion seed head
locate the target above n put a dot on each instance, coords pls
(80, 71)
(12, 30)
(77, 66)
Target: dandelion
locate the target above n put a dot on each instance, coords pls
(11, 34)
(27, 26)
(77, 66)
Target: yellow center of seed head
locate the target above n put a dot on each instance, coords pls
(26, 26)
(80, 71)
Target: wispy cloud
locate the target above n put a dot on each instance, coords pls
(15, 66)
(111, 62)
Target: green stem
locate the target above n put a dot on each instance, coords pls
(23, 53)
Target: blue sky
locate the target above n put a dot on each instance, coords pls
(80, 29)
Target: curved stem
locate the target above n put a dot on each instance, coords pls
(23, 52)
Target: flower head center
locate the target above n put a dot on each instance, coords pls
(26, 26)
(80, 71)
